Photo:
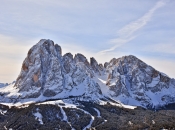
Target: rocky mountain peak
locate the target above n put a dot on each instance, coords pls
(41, 69)
(95, 66)
(46, 74)
(81, 58)
(132, 77)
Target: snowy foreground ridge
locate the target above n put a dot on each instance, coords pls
(46, 74)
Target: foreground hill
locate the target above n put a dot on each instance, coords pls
(64, 115)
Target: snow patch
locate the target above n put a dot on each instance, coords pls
(64, 114)
(98, 112)
(38, 117)
(3, 112)
(90, 124)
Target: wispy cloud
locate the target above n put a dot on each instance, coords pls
(126, 34)
(118, 42)
(164, 48)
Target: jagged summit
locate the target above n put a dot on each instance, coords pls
(45, 71)
(47, 74)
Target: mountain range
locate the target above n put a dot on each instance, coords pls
(71, 82)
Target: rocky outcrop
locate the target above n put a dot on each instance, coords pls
(46, 72)
(135, 79)
(97, 68)
(41, 69)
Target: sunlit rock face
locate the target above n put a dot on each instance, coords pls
(45, 71)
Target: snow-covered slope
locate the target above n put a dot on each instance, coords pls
(47, 74)
(3, 84)
(134, 82)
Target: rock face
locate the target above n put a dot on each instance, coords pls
(41, 69)
(97, 68)
(46, 73)
(133, 79)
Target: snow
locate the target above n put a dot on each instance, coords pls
(84, 89)
(38, 117)
(126, 102)
(98, 112)
(18, 104)
(68, 105)
(65, 117)
(130, 123)
(153, 122)
(119, 104)
(122, 105)
(156, 97)
(89, 126)
(5, 128)
(57, 102)
(64, 114)
(2, 85)
(3, 112)
(91, 121)
(101, 80)
(154, 82)
(11, 90)
(129, 106)
(77, 81)
(76, 91)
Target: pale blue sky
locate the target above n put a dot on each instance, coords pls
(100, 28)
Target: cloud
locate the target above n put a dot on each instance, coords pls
(126, 33)
(167, 48)
(129, 29)
(118, 42)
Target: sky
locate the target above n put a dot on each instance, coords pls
(103, 29)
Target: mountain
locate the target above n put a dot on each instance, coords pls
(136, 83)
(56, 89)
(47, 74)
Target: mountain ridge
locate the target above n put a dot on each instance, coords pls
(46, 73)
